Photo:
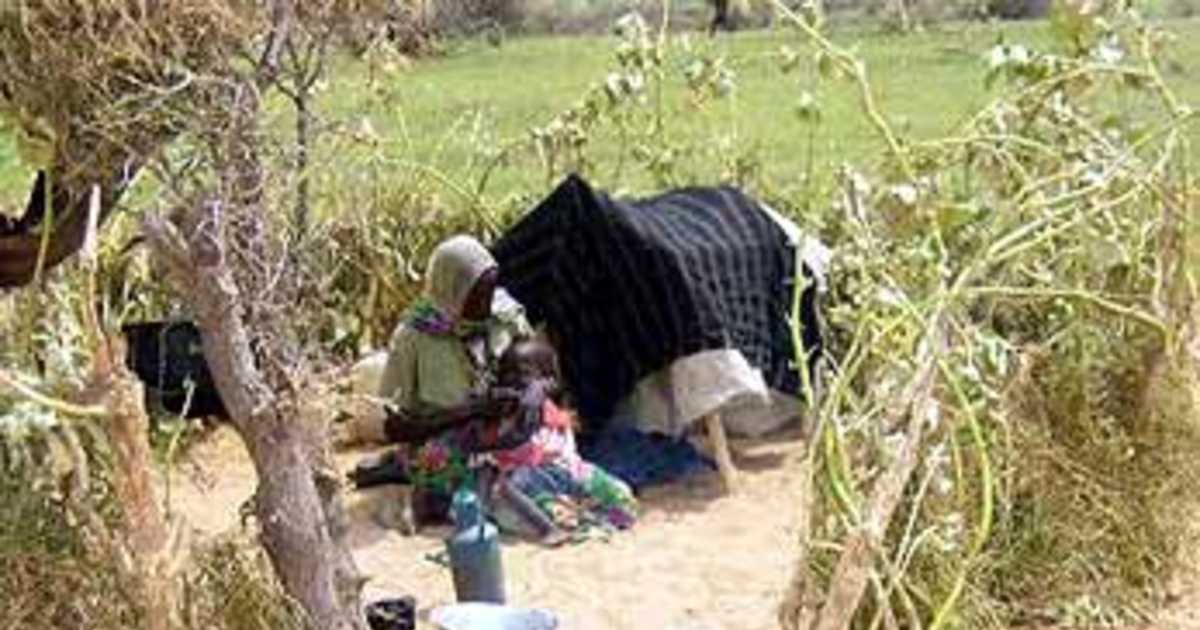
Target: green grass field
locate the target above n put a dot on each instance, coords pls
(926, 83)
(447, 112)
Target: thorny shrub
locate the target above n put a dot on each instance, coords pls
(1034, 268)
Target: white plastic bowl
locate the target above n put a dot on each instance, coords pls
(480, 616)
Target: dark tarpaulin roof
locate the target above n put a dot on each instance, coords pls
(627, 287)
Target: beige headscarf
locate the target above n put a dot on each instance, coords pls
(454, 268)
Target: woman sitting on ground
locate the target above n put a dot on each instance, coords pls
(437, 379)
(469, 392)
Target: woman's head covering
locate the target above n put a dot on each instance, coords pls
(454, 268)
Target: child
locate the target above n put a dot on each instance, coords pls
(542, 487)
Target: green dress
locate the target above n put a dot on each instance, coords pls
(430, 372)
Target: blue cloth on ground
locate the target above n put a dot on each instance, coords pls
(643, 459)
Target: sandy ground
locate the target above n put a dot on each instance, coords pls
(697, 560)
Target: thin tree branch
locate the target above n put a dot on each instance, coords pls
(9, 380)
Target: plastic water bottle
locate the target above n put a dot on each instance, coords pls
(474, 550)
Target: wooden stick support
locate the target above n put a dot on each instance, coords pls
(719, 445)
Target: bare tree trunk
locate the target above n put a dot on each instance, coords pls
(303, 150)
(307, 55)
(221, 259)
(298, 527)
(146, 534)
(722, 19)
(142, 541)
(898, 11)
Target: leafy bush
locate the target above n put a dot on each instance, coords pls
(1011, 430)
(53, 573)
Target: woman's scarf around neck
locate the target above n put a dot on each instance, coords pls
(425, 317)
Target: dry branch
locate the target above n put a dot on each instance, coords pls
(858, 559)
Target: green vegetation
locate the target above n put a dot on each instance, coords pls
(441, 111)
(1008, 434)
(449, 112)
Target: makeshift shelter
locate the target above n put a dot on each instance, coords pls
(689, 293)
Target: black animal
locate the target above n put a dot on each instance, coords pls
(168, 358)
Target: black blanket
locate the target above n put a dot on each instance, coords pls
(627, 287)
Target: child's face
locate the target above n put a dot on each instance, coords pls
(527, 361)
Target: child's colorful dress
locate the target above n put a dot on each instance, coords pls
(544, 486)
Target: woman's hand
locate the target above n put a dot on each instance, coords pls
(409, 427)
(403, 426)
